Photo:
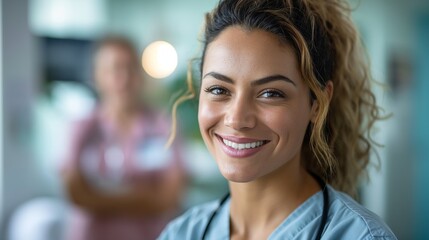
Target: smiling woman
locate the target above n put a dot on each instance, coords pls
(247, 101)
(285, 108)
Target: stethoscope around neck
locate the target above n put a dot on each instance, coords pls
(321, 225)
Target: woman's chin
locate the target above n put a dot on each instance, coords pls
(238, 175)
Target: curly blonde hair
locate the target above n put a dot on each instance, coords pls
(337, 145)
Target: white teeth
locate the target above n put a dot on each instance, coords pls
(240, 146)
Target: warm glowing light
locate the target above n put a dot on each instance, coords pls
(159, 59)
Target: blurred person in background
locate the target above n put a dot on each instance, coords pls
(121, 182)
(286, 110)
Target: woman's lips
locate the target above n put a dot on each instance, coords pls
(238, 147)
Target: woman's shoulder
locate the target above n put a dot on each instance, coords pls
(191, 223)
(348, 219)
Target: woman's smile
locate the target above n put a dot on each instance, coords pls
(240, 147)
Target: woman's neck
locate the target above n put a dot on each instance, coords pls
(258, 207)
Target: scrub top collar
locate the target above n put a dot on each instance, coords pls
(310, 210)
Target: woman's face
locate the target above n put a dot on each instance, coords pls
(254, 105)
(117, 74)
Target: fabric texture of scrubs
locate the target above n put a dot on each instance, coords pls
(347, 219)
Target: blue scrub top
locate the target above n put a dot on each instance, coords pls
(347, 220)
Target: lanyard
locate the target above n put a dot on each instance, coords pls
(324, 213)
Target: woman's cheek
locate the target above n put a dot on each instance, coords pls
(208, 115)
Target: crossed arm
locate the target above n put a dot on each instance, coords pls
(145, 198)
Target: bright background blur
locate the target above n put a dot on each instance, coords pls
(45, 74)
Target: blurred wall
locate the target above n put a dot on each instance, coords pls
(421, 131)
(1, 114)
(20, 76)
(371, 25)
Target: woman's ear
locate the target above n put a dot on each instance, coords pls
(328, 92)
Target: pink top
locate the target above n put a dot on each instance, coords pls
(112, 165)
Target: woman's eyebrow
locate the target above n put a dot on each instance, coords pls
(219, 77)
(260, 81)
(272, 78)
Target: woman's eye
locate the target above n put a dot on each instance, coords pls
(272, 94)
(216, 90)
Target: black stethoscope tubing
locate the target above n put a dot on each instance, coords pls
(322, 223)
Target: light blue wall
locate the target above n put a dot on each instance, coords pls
(422, 129)
(20, 174)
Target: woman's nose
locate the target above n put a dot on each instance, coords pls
(240, 114)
